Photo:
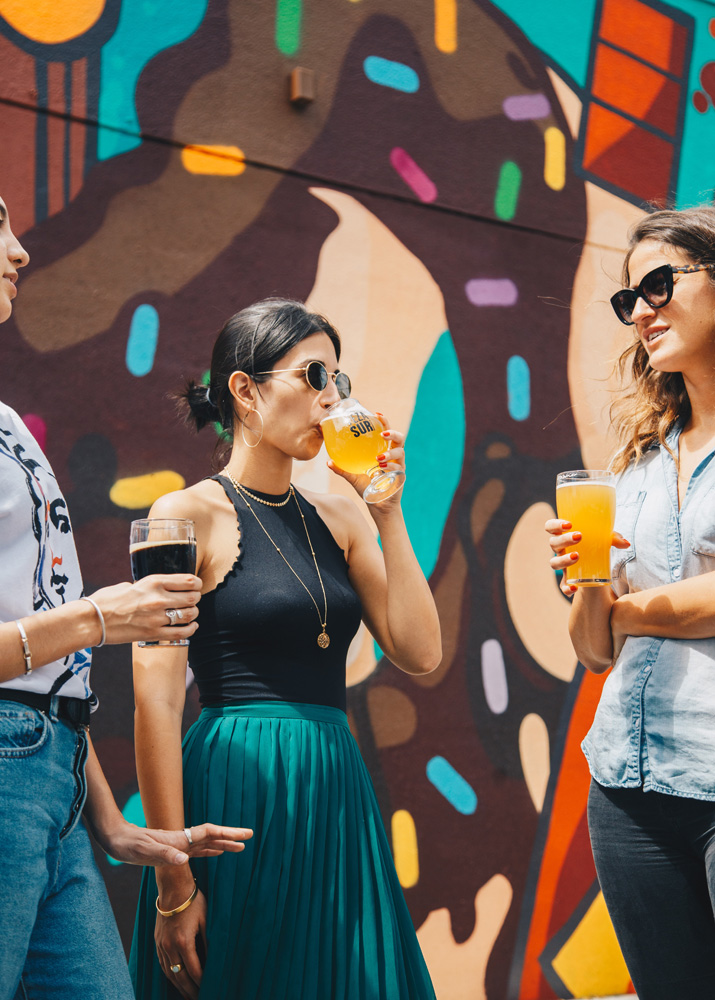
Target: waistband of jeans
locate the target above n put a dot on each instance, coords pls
(277, 710)
(73, 710)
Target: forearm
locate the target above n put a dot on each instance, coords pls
(412, 620)
(682, 610)
(590, 627)
(100, 809)
(51, 635)
(157, 738)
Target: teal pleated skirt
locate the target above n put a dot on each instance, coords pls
(312, 909)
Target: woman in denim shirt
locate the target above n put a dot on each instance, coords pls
(651, 749)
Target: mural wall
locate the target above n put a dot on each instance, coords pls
(455, 197)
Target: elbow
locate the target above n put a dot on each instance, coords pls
(424, 662)
(595, 665)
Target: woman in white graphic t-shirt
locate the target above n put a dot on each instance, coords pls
(57, 933)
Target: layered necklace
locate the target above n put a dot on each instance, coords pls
(323, 638)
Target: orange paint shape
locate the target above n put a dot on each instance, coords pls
(568, 807)
(603, 131)
(645, 32)
(636, 89)
(627, 156)
(52, 21)
(224, 161)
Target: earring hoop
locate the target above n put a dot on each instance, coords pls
(243, 430)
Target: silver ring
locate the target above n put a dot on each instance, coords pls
(171, 614)
(187, 831)
(176, 969)
(179, 614)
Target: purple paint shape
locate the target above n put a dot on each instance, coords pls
(37, 427)
(496, 689)
(525, 107)
(413, 175)
(491, 292)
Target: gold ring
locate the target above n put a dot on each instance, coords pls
(176, 968)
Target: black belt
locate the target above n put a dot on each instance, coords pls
(72, 710)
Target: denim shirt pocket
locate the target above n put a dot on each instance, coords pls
(627, 514)
(23, 731)
(703, 537)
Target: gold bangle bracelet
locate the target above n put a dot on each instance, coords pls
(178, 909)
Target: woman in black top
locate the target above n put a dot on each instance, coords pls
(315, 910)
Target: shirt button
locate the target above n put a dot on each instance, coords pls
(676, 574)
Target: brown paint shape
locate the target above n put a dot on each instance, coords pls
(486, 503)
(392, 715)
(448, 595)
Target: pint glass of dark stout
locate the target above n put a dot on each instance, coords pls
(162, 545)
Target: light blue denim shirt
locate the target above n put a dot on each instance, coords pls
(655, 723)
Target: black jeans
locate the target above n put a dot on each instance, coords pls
(655, 859)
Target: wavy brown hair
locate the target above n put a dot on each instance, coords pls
(656, 400)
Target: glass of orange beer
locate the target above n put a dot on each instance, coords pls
(587, 498)
(353, 439)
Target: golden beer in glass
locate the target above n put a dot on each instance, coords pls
(587, 498)
(353, 439)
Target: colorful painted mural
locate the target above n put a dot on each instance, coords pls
(455, 197)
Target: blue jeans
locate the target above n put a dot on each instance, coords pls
(58, 937)
(655, 859)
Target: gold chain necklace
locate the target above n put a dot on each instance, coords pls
(323, 638)
(253, 496)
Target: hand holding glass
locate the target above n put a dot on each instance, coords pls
(353, 439)
(162, 545)
(587, 498)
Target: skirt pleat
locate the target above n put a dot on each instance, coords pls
(312, 909)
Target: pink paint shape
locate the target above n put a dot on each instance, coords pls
(526, 107)
(37, 427)
(492, 292)
(413, 175)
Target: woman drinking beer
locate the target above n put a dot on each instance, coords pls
(58, 937)
(651, 749)
(317, 911)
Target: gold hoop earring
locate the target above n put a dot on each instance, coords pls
(243, 430)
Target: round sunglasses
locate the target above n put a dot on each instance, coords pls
(317, 375)
(656, 289)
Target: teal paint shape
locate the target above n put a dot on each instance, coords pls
(289, 17)
(142, 340)
(450, 783)
(518, 388)
(144, 30)
(435, 453)
(132, 813)
(387, 73)
(508, 186)
(561, 29)
(695, 183)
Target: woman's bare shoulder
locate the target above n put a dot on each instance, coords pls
(192, 502)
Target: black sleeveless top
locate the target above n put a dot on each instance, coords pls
(258, 630)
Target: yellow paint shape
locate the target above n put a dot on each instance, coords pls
(554, 158)
(535, 759)
(51, 21)
(138, 492)
(222, 161)
(459, 971)
(445, 25)
(538, 610)
(590, 964)
(404, 848)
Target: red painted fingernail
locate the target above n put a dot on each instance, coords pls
(573, 555)
(577, 536)
(573, 589)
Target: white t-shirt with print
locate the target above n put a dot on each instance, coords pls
(40, 569)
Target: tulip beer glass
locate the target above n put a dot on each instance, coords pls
(587, 499)
(162, 545)
(353, 439)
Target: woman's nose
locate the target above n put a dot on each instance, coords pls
(641, 309)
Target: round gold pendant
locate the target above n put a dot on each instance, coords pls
(323, 640)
